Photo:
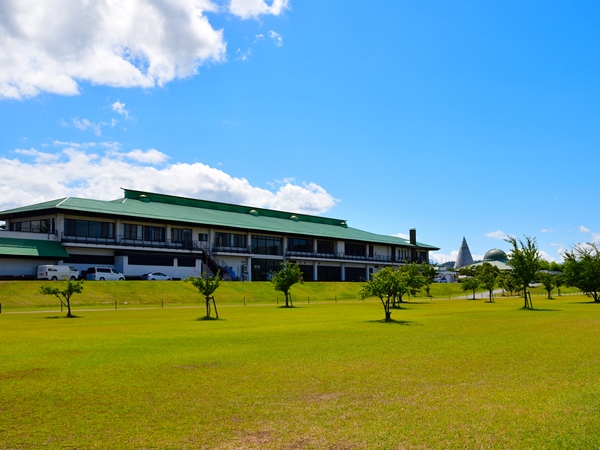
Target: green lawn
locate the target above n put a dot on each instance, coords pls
(448, 374)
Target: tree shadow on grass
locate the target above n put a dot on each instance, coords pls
(289, 307)
(539, 309)
(64, 317)
(208, 319)
(394, 322)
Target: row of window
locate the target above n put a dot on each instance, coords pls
(34, 226)
(261, 245)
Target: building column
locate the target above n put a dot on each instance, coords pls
(315, 272)
(343, 272)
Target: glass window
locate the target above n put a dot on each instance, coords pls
(353, 249)
(89, 228)
(325, 247)
(300, 245)
(266, 245)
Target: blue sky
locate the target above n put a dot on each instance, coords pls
(464, 118)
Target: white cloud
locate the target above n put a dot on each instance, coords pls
(497, 235)
(277, 38)
(84, 124)
(247, 9)
(401, 235)
(583, 229)
(119, 108)
(99, 170)
(52, 45)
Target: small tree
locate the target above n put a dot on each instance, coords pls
(548, 281)
(408, 279)
(383, 286)
(487, 274)
(285, 278)
(470, 284)
(582, 269)
(525, 261)
(507, 281)
(207, 285)
(64, 295)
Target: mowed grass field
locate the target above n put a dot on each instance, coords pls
(326, 374)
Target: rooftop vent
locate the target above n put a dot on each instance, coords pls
(294, 218)
(253, 212)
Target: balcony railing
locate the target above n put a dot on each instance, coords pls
(125, 242)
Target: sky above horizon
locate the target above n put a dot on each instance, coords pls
(460, 119)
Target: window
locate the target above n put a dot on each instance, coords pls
(181, 235)
(154, 233)
(202, 237)
(89, 228)
(262, 268)
(33, 226)
(228, 240)
(325, 247)
(150, 260)
(353, 249)
(186, 262)
(132, 232)
(266, 245)
(300, 245)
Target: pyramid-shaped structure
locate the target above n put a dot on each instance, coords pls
(464, 257)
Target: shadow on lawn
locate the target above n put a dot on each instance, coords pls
(394, 322)
(539, 309)
(63, 317)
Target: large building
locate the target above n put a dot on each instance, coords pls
(146, 231)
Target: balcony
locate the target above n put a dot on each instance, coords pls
(119, 241)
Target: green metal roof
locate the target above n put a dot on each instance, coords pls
(31, 248)
(151, 206)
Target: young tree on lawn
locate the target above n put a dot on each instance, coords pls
(407, 279)
(525, 260)
(383, 285)
(285, 278)
(487, 274)
(582, 269)
(507, 281)
(470, 284)
(548, 281)
(64, 295)
(207, 285)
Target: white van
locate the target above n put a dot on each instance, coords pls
(103, 274)
(54, 273)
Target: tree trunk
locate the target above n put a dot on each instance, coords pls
(207, 307)
(388, 316)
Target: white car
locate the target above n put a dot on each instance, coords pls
(156, 276)
(104, 274)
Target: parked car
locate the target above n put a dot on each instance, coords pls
(56, 272)
(156, 276)
(104, 274)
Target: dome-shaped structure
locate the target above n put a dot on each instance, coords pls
(495, 254)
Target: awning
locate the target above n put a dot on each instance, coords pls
(31, 248)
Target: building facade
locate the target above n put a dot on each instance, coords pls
(147, 231)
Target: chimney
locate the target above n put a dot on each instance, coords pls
(413, 236)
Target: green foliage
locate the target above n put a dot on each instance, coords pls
(488, 274)
(285, 278)
(64, 295)
(548, 281)
(390, 284)
(207, 285)
(582, 269)
(470, 284)
(525, 261)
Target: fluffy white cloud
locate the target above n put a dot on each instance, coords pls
(247, 9)
(100, 170)
(497, 235)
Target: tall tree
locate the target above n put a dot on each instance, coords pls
(582, 269)
(64, 294)
(524, 259)
(207, 285)
(285, 278)
(488, 274)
